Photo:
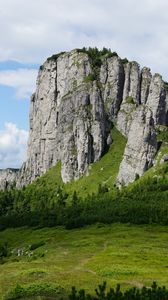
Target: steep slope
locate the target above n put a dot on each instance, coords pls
(79, 95)
(102, 172)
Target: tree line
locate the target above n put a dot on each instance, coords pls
(144, 203)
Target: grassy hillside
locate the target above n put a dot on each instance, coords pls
(126, 254)
(49, 202)
(102, 172)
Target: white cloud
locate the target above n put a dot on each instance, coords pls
(36, 29)
(22, 80)
(13, 146)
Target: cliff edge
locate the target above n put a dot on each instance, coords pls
(77, 99)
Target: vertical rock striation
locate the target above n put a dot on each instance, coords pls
(141, 146)
(8, 178)
(73, 107)
(139, 125)
(67, 119)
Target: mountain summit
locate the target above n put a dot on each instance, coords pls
(79, 96)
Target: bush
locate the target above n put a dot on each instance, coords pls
(35, 290)
(36, 245)
(89, 78)
(130, 100)
(162, 134)
(152, 293)
(3, 250)
(55, 56)
(101, 293)
(125, 61)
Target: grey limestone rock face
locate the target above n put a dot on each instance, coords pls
(125, 117)
(145, 84)
(156, 100)
(8, 178)
(131, 97)
(132, 82)
(139, 125)
(71, 113)
(67, 119)
(112, 81)
(82, 128)
(141, 147)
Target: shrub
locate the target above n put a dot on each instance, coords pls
(152, 293)
(166, 85)
(55, 56)
(162, 134)
(130, 100)
(125, 60)
(35, 290)
(36, 245)
(89, 78)
(3, 250)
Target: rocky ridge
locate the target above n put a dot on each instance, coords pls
(73, 109)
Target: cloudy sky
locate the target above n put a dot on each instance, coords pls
(33, 30)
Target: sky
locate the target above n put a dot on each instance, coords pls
(35, 29)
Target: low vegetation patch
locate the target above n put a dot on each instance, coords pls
(55, 56)
(37, 245)
(130, 100)
(162, 134)
(101, 293)
(35, 290)
(144, 293)
(89, 78)
(97, 55)
(130, 255)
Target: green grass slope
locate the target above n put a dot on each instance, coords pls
(125, 254)
(102, 172)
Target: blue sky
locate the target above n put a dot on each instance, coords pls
(35, 29)
(14, 107)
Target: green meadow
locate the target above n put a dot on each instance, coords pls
(127, 254)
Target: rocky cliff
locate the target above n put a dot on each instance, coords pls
(73, 108)
(8, 178)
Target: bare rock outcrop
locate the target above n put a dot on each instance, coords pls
(146, 77)
(73, 107)
(157, 100)
(67, 119)
(112, 82)
(8, 178)
(141, 147)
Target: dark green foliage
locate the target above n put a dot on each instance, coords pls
(102, 189)
(3, 250)
(166, 85)
(162, 134)
(90, 77)
(36, 245)
(144, 203)
(125, 61)
(152, 293)
(130, 100)
(101, 293)
(97, 55)
(35, 290)
(44, 203)
(55, 56)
